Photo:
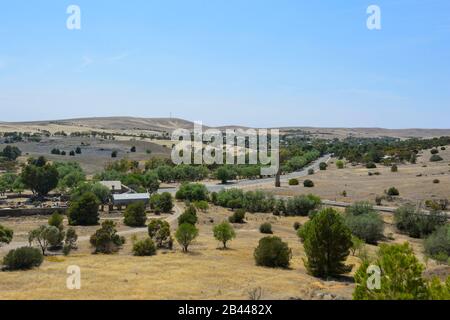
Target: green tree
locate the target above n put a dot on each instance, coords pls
(323, 166)
(23, 258)
(159, 231)
(40, 179)
(224, 232)
(11, 153)
(186, 233)
(151, 181)
(189, 216)
(224, 174)
(162, 202)
(84, 210)
(135, 215)
(327, 242)
(401, 276)
(340, 164)
(45, 236)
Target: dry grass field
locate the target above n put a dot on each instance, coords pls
(206, 272)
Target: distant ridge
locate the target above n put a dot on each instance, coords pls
(127, 124)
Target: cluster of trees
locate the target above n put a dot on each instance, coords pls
(251, 201)
(373, 150)
(59, 152)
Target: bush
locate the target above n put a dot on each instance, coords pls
(114, 154)
(71, 239)
(302, 205)
(378, 200)
(434, 151)
(238, 216)
(359, 208)
(161, 202)
(293, 182)
(394, 168)
(437, 245)
(23, 259)
(327, 242)
(106, 240)
(6, 235)
(435, 158)
(323, 166)
(192, 192)
(213, 198)
(340, 164)
(159, 231)
(297, 225)
(266, 228)
(311, 171)
(308, 183)
(279, 208)
(443, 148)
(135, 215)
(224, 232)
(46, 236)
(145, 247)
(201, 205)
(416, 223)
(56, 220)
(186, 233)
(392, 191)
(188, 216)
(84, 211)
(368, 227)
(72, 153)
(371, 165)
(133, 149)
(436, 181)
(272, 252)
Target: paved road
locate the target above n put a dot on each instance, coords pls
(170, 219)
(258, 182)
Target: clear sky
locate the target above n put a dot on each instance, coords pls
(250, 62)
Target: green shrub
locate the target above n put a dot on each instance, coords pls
(71, 238)
(308, 183)
(392, 191)
(145, 247)
(340, 164)
(437, 245)
(416, 223)
(224, 232)
(436, 181)
(201, 205)
(327, 242)
(443, 148)
(135, 215)
(360, 207)
(186, 233)
(272, 252)
(56, 220)
(106, 240)
(23, 259)
(297, 225)
(435, 158)
(311, 171)
(293, 182)
(302, 205)
(368, 226)
(238, 216)
(192, 192)
(280, 207)
(46, 236)
(266, 228)
(434, 151)
(6, 235)
(213, 198)
(323, 166)
(394, 168)
(84, 211)
(189, 216)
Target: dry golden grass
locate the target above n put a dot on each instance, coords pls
(207, 272)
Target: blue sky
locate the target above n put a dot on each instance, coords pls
(252, 62)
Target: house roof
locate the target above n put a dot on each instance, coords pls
(112, 185)
(131, 196)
